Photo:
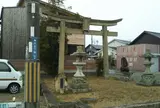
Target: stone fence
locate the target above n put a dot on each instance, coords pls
(140, 105)
(69, 67)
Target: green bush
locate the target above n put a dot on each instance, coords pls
(49, 49)
(99, 64)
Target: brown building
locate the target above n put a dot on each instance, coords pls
(133, 53)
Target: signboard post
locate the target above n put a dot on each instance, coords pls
(32, 65)
(34, 48)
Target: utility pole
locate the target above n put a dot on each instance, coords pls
(32, 65)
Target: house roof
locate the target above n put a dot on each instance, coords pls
(156, 34)
(121, 41)
(153, 33)
(98, 47)
(102, 49)
(156, 54)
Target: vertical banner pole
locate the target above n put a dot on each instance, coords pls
(32, 65)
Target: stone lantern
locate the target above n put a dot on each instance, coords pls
(148, 78)
(147, 60)
(79, 81)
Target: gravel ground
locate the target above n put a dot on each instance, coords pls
(5, 96)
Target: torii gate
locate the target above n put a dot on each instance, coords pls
(85, 22)
(32, 67)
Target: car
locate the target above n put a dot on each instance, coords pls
(10, 78)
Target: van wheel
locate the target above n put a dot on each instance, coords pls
(14, 88)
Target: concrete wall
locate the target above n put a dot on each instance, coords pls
(116, 44)
(133, 54)
(69, 67)
(18, 63)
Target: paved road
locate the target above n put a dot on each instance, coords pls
(5, 96)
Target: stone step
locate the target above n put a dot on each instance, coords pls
(88, 100)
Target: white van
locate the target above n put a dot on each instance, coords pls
(10, 78)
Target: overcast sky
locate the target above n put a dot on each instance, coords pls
(138, 15)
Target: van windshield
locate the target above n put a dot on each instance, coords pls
(12, 66)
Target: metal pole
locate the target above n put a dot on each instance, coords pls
(105, 51)
(32, 66)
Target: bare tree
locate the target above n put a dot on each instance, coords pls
(56, 2)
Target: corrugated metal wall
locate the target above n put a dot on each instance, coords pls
(14, 33)
(133, 54)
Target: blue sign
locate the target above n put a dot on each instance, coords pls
(34, 48)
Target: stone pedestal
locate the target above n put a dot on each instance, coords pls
(79, 84)
(147, 79)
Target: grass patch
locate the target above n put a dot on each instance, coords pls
(110, 92)
(112, 78)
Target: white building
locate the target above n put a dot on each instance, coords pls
(112, 47)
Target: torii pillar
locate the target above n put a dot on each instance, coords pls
(61, 76)
(105, 51)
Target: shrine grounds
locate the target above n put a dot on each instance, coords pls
(109, 92)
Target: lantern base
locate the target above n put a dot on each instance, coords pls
(80, 84)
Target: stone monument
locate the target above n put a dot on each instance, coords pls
(79, 81)
(124, 67)
(148, 78)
